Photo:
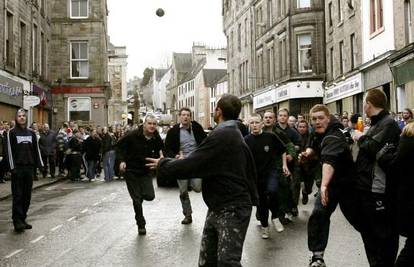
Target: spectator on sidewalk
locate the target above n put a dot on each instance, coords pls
(2, 167)
(47, 144)
(92, 148)
(108, 152)
(74, 159)
(62, 145)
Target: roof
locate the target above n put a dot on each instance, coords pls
(194, 71)
(159, 73)
(182, 61)
(212, 76)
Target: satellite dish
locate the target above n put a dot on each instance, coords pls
(160, 12)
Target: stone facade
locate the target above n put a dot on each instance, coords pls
(25, 36)
(117, 69)
(88, 27)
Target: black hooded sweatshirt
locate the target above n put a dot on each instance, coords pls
(332, 148)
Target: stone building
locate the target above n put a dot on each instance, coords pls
(238, 20)
(117, 69)
(160, 80)
(25, 37)
(289, 54)
(79, 66)
(344, 55)
(218, 89)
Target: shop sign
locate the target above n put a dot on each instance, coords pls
(30, 101)
(79, 104)
(11, 92)
(349, 87)
(264, 99)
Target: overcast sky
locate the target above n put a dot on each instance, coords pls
(150, 40)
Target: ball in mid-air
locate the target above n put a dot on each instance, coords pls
(160, 12)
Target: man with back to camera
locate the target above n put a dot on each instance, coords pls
(132, 149)
(266, 148)
(23, 155)
(224, 162)
(184, 137)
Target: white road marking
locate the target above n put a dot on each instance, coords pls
(13, 253)
(56, 227)
(85, 210)
(71, 219)
(96, 204)
(37, 239)
(64, 252)
(50, 188)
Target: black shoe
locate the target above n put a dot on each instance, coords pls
(317, 262)
(187, 220)
(142, 230)
(27, 226)
(284, 221)
(19, 227)
(305, 198)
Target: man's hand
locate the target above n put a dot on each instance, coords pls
(324, 195)
(1, 159)
(180, 155)
(356, 135)
(289, 158)
(286, 171)
(153, 163)
(122, 166)
(305, 155)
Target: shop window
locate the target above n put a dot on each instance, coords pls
(305, 53)
(79, 108)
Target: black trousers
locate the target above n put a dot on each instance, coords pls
(268, 198)
(406, 257)
(75, 161)
(60, 156)
(320, 219)
(378, 229)
(49, 163)
(140, 188)
(223, 236)
(21, 185)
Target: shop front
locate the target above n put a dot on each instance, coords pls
(42, 113)
(11, 97)
(346, 95)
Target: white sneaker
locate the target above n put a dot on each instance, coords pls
(259, 223)
(289, 216)
(278, 225)
(265, 232)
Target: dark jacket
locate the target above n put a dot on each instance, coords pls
(332, 148)
(226, 165)
(134, 147)
(383, 130)
(172, 141)
(47, 143)
(401, 165)
(22, 148)
(92, 148)
(108, 142)
(75, 145)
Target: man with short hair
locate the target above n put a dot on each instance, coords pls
(47, 144)
(62, 144)
(266, 148)
(329, 146)
(23, 155)
(132, 149)
(224, 162)
(183, 138)
(292, 122)
(407, 116)
(375, 186)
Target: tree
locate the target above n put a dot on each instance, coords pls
(148, 72)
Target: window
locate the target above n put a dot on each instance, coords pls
(22, 47)
(272, 64)
(341, 61)
(42, 57)
(408, 22)
(331, 58)
(79, 8)
(35, 47)
(353, 57)
(281, 8)
(9, 40)
(269, 12)
(79, 108)
(79, 60)
(376, 19)
(330, 14)
(304, 3)
(340, 18)
(305, 53)
(259, 22)
(231, 44)
(282, 58)
(246, 33)
(239, 37)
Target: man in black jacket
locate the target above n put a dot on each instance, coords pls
(23, 155)
(330, 147)
(378, 229)
(184, 138)
(47, 144)
(132, 149)
(224, 162)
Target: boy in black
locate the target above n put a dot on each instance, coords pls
(266, 149)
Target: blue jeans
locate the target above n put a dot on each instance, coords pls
(108, 164)
(91, 169)
(267, 190)
(184, 197)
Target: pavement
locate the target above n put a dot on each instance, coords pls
(5, 189)
(92, 224)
